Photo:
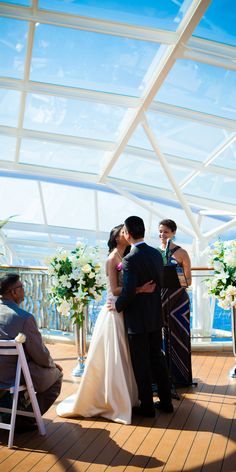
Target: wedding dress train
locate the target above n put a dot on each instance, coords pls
(107, 386)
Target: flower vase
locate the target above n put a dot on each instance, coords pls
(233, 324)
(80, 342)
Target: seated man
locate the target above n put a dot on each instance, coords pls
(46, 375)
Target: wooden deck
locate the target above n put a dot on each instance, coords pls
(199, 436)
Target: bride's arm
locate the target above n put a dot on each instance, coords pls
(113, 276)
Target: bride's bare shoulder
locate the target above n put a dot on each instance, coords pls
(111, 260)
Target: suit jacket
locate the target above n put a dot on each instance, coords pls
(142, 312)
(14, 320)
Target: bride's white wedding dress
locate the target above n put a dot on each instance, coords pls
(108, 386)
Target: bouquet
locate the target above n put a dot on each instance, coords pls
(77, 278)
(222, 256)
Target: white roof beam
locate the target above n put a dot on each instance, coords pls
(181, 162)
(23, 94)
(155, 193)
(27, 169)
(107, 146)
(58, 138)
(88, 24)
(198, 116)
(73, 178)
(186, 27)
(210, 52)
(75, 93)
(45, 220)
(221, 229)
(116, 99)
(166, 168)
(219, 149)
(56, 230)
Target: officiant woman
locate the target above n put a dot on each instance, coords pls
(176, 308)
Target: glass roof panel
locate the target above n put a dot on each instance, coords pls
(218, 23)
(61, 156)
(13, 41)
(227, 158)
(200, 87)
(147, 172)
(67, 122)
(9, 107)
(139, 139)
(24, 3)
(90, 60)
(7, 147)
(165, 14)
(21, 198)
(114, 209)
(185, 138)
(213, 186)
(69, 206)
(73, 117)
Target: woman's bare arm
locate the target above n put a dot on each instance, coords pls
(187, 267)
(182, 257)
(113, 275)
(186, 264)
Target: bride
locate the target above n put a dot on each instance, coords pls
(108, 386)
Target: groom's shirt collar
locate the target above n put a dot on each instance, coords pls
(136, 244)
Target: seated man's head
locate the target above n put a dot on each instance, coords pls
(11, 288)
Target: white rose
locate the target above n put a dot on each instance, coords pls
(20, 338)
(231, 290)
(64, 308)
(230, 258)
(86, 268)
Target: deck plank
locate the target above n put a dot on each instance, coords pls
(199, 436)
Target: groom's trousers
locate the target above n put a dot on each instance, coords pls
(148, 360)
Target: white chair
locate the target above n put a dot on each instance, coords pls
(13, 348)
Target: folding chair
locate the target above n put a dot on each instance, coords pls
(13, 348)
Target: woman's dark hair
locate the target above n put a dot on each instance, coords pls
(7, 282)
(112, 243)
(170, 224)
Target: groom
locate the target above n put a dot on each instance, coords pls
(143, 319)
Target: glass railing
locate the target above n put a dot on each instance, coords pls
(208, 321)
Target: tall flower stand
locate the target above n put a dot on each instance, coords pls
(80, 342)
(232, 372)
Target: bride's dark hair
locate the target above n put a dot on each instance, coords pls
(112, 242)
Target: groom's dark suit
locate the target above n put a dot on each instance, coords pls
(143, 322)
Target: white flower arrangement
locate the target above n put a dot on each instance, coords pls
(77, 278)
(222, 256)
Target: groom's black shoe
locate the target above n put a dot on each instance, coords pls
(148, 412)
(166, 407)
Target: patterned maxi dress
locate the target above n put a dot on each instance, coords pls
(177, 344)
